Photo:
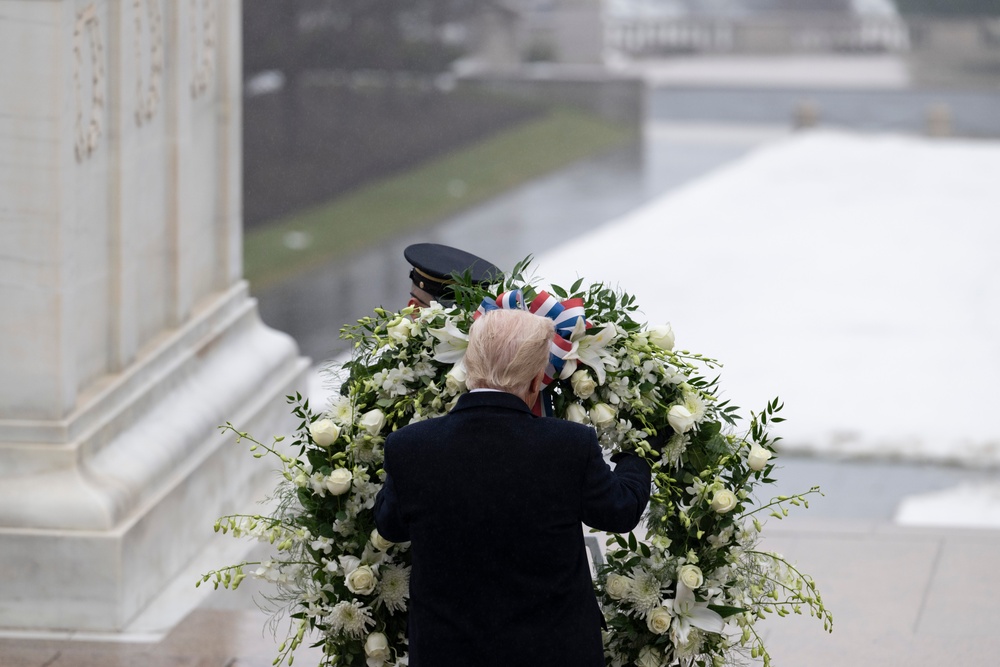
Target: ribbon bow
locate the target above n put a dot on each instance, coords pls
(568, 316)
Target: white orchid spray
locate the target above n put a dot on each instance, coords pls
(691, 590)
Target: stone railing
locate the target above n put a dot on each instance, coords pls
(796, 33)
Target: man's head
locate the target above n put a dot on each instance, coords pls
(509, 350)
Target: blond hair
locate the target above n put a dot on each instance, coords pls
(507, 349)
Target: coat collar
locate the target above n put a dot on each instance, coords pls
(491, 399)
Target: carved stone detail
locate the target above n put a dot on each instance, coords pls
(88, 131)
(148, 96)
(202, 46)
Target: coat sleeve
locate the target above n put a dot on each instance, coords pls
(614, 500)
(388, 519)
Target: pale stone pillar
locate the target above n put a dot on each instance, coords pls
(126, 332)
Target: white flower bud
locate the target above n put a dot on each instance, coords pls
(583, 385)
(372, 421)
(603, 415)
(361, 581)
(658, 621)
(680, 418)
(339, 481)
(618, 586)
(576, 413)
(379, 542)
(377, 648)
(662, 336)
(723, 501)
(690, 576)
(324, 432)
(758, 457)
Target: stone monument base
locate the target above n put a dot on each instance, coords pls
(94, 525)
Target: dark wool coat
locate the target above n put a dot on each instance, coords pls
(492, 499)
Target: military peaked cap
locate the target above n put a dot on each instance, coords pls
(435, 264)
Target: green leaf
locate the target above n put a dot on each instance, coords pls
(724, 611)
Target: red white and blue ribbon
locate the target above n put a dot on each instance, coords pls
(567, 315)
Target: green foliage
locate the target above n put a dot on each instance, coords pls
(420, 197)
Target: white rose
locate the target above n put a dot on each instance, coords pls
(662, 336)
(618, 586)
(691, 576)
(324, 432)
(658, 621)
(401, 330)
(680, 418)
(339, 481)
(583, 385)
(361, 581)
(373, 421)
(758, 456)
(377, 649)
(649, 657)
(379, 542)
(723, 501)
(602, 415)
(576, 413)
(454, 381)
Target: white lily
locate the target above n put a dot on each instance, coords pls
(590, 350)
(453, 342)
(688, 613)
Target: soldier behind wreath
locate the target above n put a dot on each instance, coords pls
(434, 267)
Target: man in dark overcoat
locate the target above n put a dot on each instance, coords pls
(492, 499)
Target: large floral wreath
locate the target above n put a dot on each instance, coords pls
(689, 592)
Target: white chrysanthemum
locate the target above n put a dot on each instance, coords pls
(675, 448)
(341, 410)
(351, 618)
(645, 592)
(695, 405)
(394, 587)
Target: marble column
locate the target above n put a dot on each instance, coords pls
(127, 334)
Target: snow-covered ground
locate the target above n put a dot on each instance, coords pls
(854, 276)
